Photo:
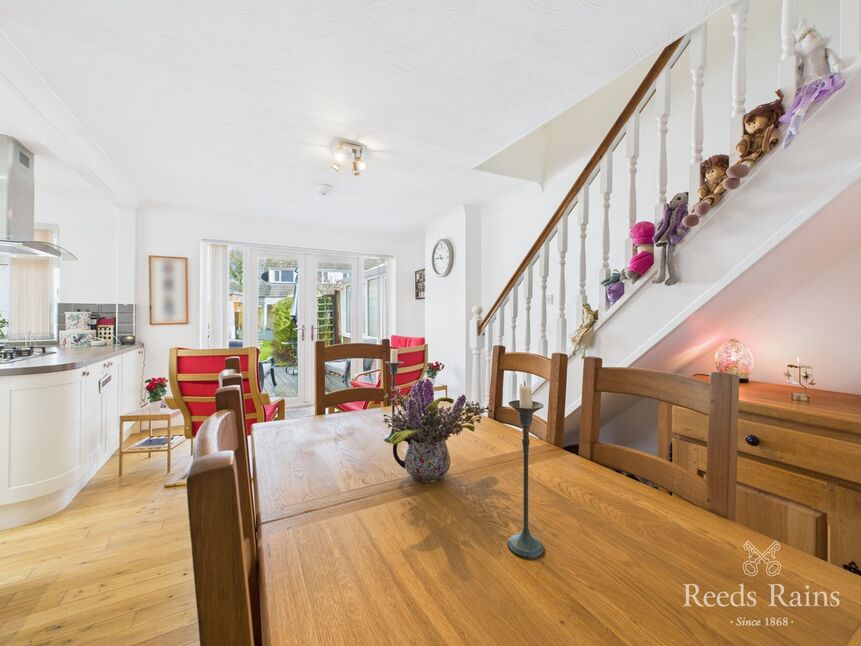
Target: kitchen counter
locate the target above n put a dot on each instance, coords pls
(63, 359)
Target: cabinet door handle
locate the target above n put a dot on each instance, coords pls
(752, 440)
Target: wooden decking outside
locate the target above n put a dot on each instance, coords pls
(287, 382)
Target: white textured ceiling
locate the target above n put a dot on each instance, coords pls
(230, 105)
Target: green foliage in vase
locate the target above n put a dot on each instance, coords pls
(421, 418)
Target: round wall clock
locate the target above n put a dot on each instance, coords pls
(443, 257)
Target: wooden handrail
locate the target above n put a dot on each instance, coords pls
(644, 87)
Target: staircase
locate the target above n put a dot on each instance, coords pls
(587, 235)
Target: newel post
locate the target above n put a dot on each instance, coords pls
(477, 344)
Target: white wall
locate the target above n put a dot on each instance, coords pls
(449, 300)
(92, 228)
(173, 231)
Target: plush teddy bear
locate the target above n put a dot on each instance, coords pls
(761, 134)
(712, 174)
(642, 234)
(669, 233)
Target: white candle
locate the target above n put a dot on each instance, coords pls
(393, 356)
(525, 396)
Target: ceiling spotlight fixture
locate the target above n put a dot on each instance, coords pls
(346, 150)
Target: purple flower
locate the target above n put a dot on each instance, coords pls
(458, 406)
(414, 415)
(426, 391)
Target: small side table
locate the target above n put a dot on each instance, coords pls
(441, 388)
(152, 412)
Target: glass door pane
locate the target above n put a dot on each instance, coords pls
(279, 330)
(333, 303)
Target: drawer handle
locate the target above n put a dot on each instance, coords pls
(753, 440)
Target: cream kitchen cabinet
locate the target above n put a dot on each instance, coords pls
(59, 416)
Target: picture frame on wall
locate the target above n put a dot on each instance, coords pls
(168, 290)
(420, 284)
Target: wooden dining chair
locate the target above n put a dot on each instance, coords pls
(193, 376)
(718, 399)
(221, 523)
(412, 353)
(551, 427)
(328, 401)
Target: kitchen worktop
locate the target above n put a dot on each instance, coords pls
(63, 359)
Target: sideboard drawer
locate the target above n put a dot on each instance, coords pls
(806, 450)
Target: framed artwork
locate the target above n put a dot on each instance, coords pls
(420, 284)
(168, 290)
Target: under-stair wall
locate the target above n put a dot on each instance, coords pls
(783, 192)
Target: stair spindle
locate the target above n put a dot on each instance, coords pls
(527, 309)
(606, 189)
(739, 13)
(477, 344)
(512, 347)
(488, 357)
(786, 67)
(632, 145)
(583, 222)
(662, 108)
(697, 48)
(562, 323)
(544, 271)
(850, 30)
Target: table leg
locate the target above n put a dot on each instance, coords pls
(168, 446)
(149, 428)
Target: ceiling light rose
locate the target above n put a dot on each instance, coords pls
(347, 150)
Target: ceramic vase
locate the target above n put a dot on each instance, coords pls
(425, 461)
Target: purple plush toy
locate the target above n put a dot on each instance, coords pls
(670, 232)
(641, 235)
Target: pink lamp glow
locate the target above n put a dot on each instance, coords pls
(735, 358)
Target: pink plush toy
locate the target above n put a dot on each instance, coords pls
(642, 234)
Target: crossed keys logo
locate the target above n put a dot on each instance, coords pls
(767, 558)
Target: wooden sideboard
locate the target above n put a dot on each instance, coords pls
(799, 465)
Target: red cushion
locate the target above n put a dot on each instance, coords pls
(408, 358)
(269, 411)
(353, 406)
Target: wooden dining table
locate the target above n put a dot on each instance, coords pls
(353, 551)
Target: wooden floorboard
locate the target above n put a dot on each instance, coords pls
(113, 568)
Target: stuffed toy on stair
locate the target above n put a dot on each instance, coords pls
(712, 174)
(761, 134)
(642, 234)
(614, 288)
(669, 233)
(582, 337)
(817, 76)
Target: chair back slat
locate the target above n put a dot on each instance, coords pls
(718, 399)
(554, 369)
(325, 353)
(224, 544)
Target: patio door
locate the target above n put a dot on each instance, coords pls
(282, 301)
(275, 308)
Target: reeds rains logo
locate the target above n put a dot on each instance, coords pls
(759, 562)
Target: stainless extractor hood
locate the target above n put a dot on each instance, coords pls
(17, 191)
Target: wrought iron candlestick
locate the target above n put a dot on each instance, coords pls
(524, 544)
(803, 377)
(393, 369)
